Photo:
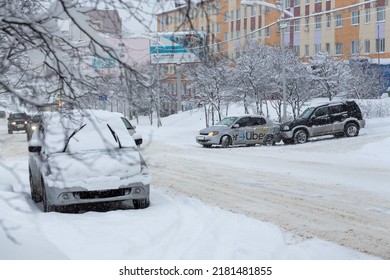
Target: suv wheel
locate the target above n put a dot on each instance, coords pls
(351, 130)
(226, 141)
(10, 131)
(300, 136)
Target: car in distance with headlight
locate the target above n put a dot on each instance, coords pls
(246, 130)
(17, 122)
(86, 159)
(32, 125)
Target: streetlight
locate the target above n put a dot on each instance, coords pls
(282, 25)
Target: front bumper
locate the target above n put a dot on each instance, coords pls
(287, 134)
(207, 140)
(18, 127)
(81, 196)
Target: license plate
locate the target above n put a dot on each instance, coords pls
(200, 138)
(20, 125)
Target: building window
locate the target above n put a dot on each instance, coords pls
(253, 10)
(218, 27)
(355, 18)
(238, 14)
(237, 34)
(267, 31)
(367, 15)
(297, 50)
(318, 23)
(226, 36)
(287, 28)
(355, 48)
(338, 49)
(339, 20)
(226, 17)
(297, 23)
(260, 33)
(328, 21)
(317, 48)
(286, 4)
(327, 47)
(367, 46)
(380, 14)
(380, 45)
(296, 3)
(307, 50)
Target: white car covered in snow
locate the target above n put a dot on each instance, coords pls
(86, 158)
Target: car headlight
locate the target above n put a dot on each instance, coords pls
(286, 127)
(14, 123)
(25, 122)
(34, 127)
(213, 133)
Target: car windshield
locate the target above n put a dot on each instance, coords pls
(306, 114)
(18, 116)
(227, 121)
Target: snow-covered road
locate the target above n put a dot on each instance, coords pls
(322, 194)
(333, 189)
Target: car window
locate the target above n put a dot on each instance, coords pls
(320, 112)
(245, 121)
(18, 116)
(258, 121)
(307, 113)
(337, 109)
(227, 121)
(127, 123)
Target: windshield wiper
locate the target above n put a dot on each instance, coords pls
(73, 134)
(116, 137)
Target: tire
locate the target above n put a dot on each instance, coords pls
(268, 140)
(300, 136)
(351, 130)
(206, 146)
(10, 131)
(35, 196)
(141, 203)
(226, 141)
(46, 204)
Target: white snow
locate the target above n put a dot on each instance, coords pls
(177, 226)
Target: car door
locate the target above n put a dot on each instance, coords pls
(241, 130)
(320, 122)
(260, 129)
(338, 113)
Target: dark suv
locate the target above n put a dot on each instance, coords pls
(17, 122)
(341, 118)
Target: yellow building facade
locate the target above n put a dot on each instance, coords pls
(343, 28)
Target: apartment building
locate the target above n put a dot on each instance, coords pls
(344, 28)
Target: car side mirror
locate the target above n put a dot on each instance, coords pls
(34, 149)
(236, 125)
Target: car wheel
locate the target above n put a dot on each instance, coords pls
(300, 136)
(268, 140)
(34, 192)
(351, 130)
(46, 203)
(141, 203)
(10, 131)
(226, 141)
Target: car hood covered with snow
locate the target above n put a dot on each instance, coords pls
(95, 170)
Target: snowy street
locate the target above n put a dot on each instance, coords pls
(326, 199)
